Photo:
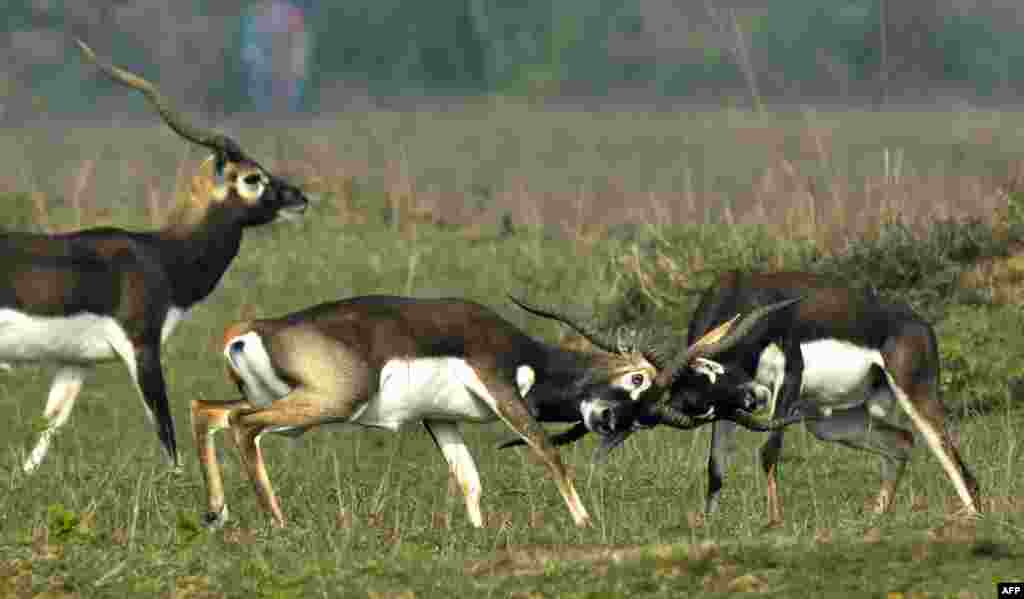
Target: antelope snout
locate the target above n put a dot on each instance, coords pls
(599, 416)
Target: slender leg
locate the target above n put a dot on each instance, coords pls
(209, 417)
(930, 422)
(723, 442)
(785, 401)
(447, 438)
(304, 407)
(857, 428)
(142, 359)
(63, 391)
(504, 399)
(770, 453)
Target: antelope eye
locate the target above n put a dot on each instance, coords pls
(252, 179)
(637, 380)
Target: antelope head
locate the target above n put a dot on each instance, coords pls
(230, 182)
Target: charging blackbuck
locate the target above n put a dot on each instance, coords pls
(103, 294)
(385, 361)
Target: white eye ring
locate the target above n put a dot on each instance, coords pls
(251, 189)
(635, 383)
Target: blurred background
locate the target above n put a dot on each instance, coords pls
(568, 111)
(303, 56)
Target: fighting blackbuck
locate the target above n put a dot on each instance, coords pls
(843, 360)
(696, 372)
(103, 294)
(385, 361)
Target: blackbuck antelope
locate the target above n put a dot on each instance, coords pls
(847, 358)
(103, 294)
(383, 361)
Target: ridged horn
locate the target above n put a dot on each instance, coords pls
(643, 340)
(217, 142)
(584, 325)
(721, 339)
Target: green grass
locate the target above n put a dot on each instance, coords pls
(371, 513)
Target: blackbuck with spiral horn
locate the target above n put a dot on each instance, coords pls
(696, 369)
(103, 294)
(386, 361)
(848, 358)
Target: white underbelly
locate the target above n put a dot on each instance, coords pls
(837, 373)
(79, 339)
(424, 389)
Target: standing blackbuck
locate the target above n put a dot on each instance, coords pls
(103, 294)
(841, 362)
(384, 361)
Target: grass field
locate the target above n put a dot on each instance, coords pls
(373, 514)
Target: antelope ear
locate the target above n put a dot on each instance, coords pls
(208, 182)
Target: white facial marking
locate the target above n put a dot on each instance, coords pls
(525, 377)
(251, 186)
(253, 365)
(635, 382)
(708, 368)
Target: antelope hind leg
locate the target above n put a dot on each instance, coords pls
(66, 386)
(208, 418)
(303, 408)
(857, 428)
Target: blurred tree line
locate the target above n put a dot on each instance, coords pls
(780, 50)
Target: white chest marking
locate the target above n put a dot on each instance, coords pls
(174, 317)
(836, 373)
(525, 378)
(79, 339)
(425, 389)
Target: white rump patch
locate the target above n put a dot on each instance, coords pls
(252, 363)
(80, 339)
(525, 378)
(426, 389)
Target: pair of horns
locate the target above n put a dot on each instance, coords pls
(654, 345)
(218, 142)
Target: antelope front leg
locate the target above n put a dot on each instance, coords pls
(447, 438)
(209, 417)
(512, 410)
